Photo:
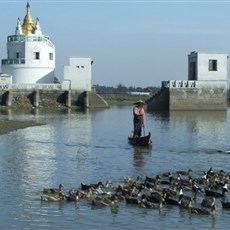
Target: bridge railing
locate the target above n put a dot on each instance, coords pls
(30, 87)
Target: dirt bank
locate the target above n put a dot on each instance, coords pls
(8, 126)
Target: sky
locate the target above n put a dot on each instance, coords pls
(133, 43)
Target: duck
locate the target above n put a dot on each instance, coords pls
(210, 172)
(85, 186)
(181, 172)
(181, 195)
(118, 197)
(225, 204)
(172, 190)
(167, 174)
(165, 182)
(144, 203)
(128, 180)
(50, 198)
(204, 177)
(54, 190)
(72, 196)
(183, 204)
(102, 202)
(224, 151)
(213, 193)
(154, 197)
(87, 194)
(207, 202)
(132, 200)
(91, 186)
(108, 184)
(195, 187)
(149, 185)
(185, 182)
(152, 180)
(169, 200)
(203, 180)
(126, 190)
(202, 211)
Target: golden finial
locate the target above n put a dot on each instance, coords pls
(28, 24)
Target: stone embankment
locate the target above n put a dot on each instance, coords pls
(22, 103)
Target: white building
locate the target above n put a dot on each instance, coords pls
(5, 79)
(77, 75)
(207, 66)
(205, 89)
(30, 54)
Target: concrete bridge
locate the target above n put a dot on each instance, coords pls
(189, 95)
(54, 92)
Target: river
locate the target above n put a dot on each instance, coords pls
(77, 147)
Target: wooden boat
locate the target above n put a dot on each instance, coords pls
(140, 141)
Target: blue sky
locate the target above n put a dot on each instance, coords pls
(133, 43)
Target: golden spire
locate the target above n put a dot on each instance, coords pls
(28, 24)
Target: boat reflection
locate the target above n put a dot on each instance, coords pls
(139, 153)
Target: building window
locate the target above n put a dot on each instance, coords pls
(78, 66)
(212, 65)
(36, 55)
(19, 55)
(82, 67)
(51, 56)
(192, 71)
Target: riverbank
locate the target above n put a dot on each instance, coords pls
(7, 126)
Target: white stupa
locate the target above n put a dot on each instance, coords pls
(30, 54)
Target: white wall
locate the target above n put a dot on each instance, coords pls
(202, 66)
(27, 75)
(32, 71)
(78, 73)
(5, 79)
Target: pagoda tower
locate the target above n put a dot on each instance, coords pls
(30, 54)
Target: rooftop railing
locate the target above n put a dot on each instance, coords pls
(179, 84)
(30, 38)
(13, 61)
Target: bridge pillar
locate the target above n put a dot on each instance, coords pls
(36, 98)
(9, 97)
(68, 99)
(86, 99)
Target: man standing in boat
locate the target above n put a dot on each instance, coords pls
(138, 118)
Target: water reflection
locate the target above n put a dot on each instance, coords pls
(198, 115)
(85, 146)
(139, 153)
(160, 115)
(199, 124)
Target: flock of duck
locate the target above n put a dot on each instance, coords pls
(180, 188)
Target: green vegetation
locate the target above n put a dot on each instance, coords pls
(123, 95)
(121, 89)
